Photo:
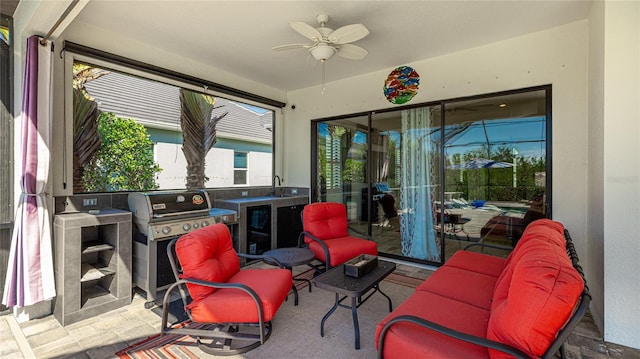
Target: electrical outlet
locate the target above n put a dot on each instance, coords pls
(245, 193)
(90, 202)
(294, 191)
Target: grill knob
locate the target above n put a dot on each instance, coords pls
(196, 225)
(186, 226)
(166, 229)
(204, 223)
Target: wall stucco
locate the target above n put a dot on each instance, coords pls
(621, 172)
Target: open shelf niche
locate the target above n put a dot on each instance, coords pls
(93, 263)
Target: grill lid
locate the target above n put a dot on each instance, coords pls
(150, 205)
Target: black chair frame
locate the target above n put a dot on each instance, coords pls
(556, 346)
(219, 334)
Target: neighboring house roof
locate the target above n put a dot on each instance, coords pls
(155, 104)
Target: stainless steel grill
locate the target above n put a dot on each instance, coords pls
(160, 217)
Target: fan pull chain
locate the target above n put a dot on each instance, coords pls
(323, 87)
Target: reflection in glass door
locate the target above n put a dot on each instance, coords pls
(342, 165)
(495, 160)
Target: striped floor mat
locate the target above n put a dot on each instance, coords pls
(181, 346)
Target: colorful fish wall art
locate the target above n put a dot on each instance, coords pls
(4, 35)
(401, 85)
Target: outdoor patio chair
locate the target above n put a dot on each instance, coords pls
(327, 234)
(229, 308)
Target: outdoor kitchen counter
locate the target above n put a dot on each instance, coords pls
(287, 207)
(282, 200)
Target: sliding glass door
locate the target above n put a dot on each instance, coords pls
(341, 164)
(427, 180)
(495, 153)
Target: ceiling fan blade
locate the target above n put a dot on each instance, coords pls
(306, 30)
(349, 33)
(351, 52)
(291, 47)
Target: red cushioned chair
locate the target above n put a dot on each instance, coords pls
(326, 233)
(229, 307)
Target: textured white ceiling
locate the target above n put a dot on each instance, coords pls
(237, 36)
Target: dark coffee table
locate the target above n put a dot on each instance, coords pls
(290, 257)
(335, 281)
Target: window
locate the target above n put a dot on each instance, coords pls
(240, 168)
(155, 135)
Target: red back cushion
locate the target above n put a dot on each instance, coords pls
(325, 220)
(534, 299)
(546, 229)
(541, 230)
(207, 254)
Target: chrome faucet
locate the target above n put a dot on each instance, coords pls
(278, 177)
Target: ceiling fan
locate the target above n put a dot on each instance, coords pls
(328, 42)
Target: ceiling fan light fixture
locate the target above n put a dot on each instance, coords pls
(322, 52)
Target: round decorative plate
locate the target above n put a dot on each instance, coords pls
(401, 85)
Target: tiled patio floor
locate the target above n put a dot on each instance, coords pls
(102, 336)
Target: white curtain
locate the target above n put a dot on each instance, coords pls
(30, 278)
(417, 232)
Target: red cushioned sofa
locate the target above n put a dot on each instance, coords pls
(482, 306)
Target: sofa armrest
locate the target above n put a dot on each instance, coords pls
(448, 332)
(581, 308)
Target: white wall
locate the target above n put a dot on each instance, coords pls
(594, 261)
(170, 158)
(218, 167)
(557, 56)
(259, 169)
(622, 172)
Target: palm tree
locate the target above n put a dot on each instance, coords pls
(86, 140)
(198, 132)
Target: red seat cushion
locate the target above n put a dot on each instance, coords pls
(534, 298)
(406, 340)
(477, 262)
(343, 249)
(462, 285)
(207, 254)
(234, 305)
